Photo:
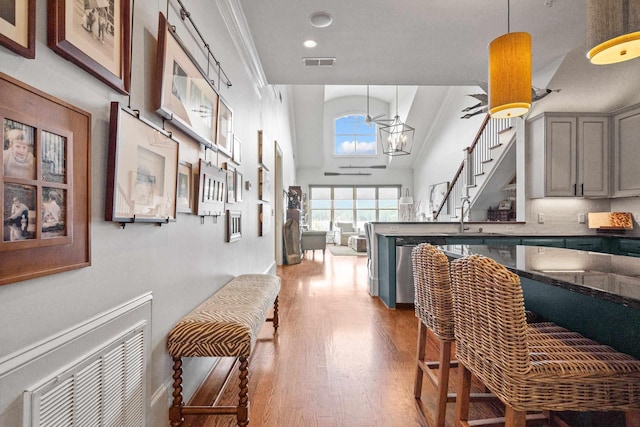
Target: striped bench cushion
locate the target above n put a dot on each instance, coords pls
(227, 324)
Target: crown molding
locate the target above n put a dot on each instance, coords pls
(234, 18)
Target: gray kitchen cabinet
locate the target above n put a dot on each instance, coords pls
(568, 155)
(626, 156)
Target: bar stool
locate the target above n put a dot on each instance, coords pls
(434, 309)
(527, 368)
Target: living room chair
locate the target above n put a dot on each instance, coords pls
(345, 230)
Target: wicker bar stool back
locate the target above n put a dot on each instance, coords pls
(434, 309)
(526, 367)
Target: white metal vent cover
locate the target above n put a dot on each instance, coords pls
(319, 62)
(105, 389)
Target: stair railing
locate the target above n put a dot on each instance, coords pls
(476, 155)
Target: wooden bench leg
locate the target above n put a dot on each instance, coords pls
(175, 412)
(275, 314)
(243, 402)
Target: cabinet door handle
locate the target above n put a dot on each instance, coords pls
(575, 189)
(582, 189)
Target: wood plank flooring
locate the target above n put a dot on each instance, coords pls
(339, 358)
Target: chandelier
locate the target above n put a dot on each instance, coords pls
(396, 138)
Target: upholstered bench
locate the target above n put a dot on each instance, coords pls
(225, 325)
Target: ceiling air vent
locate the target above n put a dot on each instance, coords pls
(319, 62)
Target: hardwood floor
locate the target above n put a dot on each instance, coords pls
(340, 357)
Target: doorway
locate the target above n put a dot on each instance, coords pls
(279, 206)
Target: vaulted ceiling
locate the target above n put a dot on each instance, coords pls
(429, 44)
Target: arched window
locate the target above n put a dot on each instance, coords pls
(354, 136)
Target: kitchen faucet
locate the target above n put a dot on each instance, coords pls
(468, 202)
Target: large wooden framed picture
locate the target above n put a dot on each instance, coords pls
(142, 170)
(95, 35)
(183, 92)
(44, 184)
(18, 26)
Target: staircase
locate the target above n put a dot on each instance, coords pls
(490, 158)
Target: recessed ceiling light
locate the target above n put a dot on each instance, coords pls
(310, 43)
(320, 19)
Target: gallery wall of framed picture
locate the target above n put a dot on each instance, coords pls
(45, 183)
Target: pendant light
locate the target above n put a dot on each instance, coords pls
(510, 74)
(613, 30)
(396, 138)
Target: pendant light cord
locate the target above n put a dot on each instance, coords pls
(508, 16)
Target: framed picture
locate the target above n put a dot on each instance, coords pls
(44, 184)
(18, 26)
(504, 205)
(234, 226)
(184, 94)
(212, 186)
(262, 154)
(231, 183)
(95, 35)
(142, 170)
(237, 150)
(225, 128)
(238, 179)
(264, 184)
(437, 193)
(184, 201)
(264, 216)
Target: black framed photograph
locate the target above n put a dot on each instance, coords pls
(95, 35)
(184, 200)
(264, 217)
(184, 94)
(18, 26)
(45, 183)
(234, 226)
(142, 170)
(225, 128)
(212, 190)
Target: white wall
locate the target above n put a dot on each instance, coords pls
(181, 263)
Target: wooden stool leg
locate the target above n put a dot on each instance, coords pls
(443, 382)
(513, 418)
(276, 320)
(632, 418)
(243, 402)
(422, 340)
(463, 394)
(175, 412)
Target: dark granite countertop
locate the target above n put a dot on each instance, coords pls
(609, 277)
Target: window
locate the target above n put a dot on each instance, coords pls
(355, 137)
(354, 204)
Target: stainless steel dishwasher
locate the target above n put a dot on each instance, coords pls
(405, 292)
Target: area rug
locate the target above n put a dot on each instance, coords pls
(337, 250)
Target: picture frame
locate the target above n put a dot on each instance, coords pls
(437, 193)
(18, 27)
(264, 217)
(262, 156)
(264, 187)
(142, 170)
(231, 183)
(184, 197)
(183, 93)
(238, 178)
(237, 150)
(97, 39)
(225, 128)
(46, 201)
(234, 226)
(505, 205)
(212, 190)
